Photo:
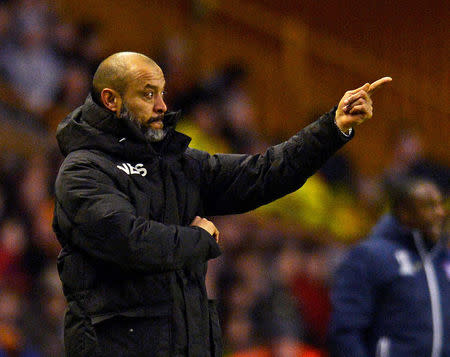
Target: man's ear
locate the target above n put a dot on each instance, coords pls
(111, 99)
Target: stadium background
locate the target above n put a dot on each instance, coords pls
(246, 74)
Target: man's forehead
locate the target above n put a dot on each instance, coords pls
(426, 192)
(147, 74)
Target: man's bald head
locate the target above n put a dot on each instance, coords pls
(132, 87)
(114, 72)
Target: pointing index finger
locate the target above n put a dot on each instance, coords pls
(377, 84)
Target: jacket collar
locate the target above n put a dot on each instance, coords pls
(93, 127)
(391, 229)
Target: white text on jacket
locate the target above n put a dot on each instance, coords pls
(129, 169)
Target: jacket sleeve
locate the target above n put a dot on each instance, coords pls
(353, 298)
(240, 183)
(99, 219)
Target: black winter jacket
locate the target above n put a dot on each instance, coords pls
(122, 216)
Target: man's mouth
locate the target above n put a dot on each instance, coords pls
(156, 123)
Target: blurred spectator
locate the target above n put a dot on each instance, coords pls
(13, 244)
(310, 286)
(391, 295)
(176, 63)
(47, 310)
(202, 127)
(32, 68)
(40, 69)
(276, 313)
(259, 305)
(223, 94)
(90, 48)
(409, 159)
(5, 24)
(76, 86)
(34, 183)
(65, 42)
(338, 171)
(2, 202)
(73, 90)
(13, 342)
(33, 15)
(237, 110)
(11, 168)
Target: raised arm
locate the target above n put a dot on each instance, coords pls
(239, 183)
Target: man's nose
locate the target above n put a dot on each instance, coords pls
(160, 106)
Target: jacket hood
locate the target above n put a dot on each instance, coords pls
(390, 228)
(92, 127)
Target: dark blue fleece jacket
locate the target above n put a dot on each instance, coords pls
(391, 296)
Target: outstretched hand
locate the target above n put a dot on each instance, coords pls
(355, 106)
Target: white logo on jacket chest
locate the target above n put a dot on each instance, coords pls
(406, 266)
(129, 169)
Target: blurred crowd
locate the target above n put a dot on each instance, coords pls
(272, 280)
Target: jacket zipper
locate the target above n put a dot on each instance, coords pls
(161, 170)
(433, 288)
(383, 347)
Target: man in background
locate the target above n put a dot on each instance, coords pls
(391, 295)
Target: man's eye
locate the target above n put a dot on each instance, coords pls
(164, 92)
(149, 95)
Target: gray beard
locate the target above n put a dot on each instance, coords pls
(151, 135)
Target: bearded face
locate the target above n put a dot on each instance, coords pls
(151, 134)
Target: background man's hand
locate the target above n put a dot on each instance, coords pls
(207, 226)
(355, 106)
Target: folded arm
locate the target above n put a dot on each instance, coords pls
(93, 215)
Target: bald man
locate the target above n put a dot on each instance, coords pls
(131, 198)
